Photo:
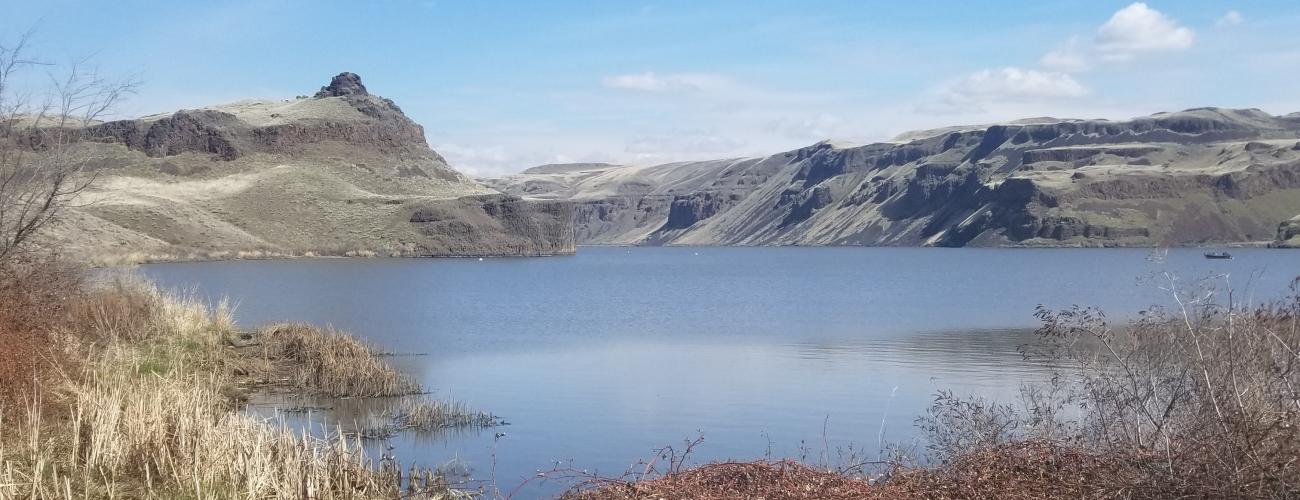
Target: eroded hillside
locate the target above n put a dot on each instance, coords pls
(341, 173)
(1198, 176)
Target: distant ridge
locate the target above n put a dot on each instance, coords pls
(560, 168)
(1192, 177)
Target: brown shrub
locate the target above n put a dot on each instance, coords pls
(35, 296)
(118, 312)
(781, 480)
(1026, 470)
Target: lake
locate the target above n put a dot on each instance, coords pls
(599, 359)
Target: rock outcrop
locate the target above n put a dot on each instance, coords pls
(1288, 233)
(1199, 176)
(342, 173)
(342, 85)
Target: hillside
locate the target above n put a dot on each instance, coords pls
(1201, 176)
(341, 173)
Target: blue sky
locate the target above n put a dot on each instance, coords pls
(501, 86)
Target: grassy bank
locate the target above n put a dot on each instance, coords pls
(125, 391)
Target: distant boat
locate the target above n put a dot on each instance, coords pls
(1218, 255)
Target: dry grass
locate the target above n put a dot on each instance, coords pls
(417, 414)
(329, 363)
(160, 437)
(431, 414)
(148, 413)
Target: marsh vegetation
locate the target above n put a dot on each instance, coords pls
(126, 391)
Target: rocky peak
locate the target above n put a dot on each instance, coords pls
(343, 84)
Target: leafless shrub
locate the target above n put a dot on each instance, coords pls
(43, 158)
(35, 296)
(1199, 399)
(1195, 401)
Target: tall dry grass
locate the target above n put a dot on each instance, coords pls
(164, 437)
(148, 412)
(432, 414)
(329, 363)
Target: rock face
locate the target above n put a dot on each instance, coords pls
(494, 225)
(1288, 233)
(342, 173)
(344, 84)
(1204, 175)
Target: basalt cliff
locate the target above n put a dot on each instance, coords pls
(341, 173)
(1196, 177)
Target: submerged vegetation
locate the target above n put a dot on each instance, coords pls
(126, 391)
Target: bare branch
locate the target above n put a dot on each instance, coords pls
(44, 150)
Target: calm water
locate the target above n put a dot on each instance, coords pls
(599, 359)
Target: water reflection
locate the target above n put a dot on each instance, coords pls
(602, 358)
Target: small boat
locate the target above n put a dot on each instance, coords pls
(1218, 255)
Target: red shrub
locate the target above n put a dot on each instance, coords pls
(35, 297)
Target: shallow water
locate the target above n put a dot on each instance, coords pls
(597, 360)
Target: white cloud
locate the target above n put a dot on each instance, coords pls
(976, 91)
(1231, 18)
(663, 146)
(1138, 29)
(1070, 58)
(1014, 84)
(476, 160)
(678, 82)
(808, 127)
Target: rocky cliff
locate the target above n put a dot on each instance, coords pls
(342, 173)
(1201, 176)
(1288, 233)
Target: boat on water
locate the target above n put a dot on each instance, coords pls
(1218, 255)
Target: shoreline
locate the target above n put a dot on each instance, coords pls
(158, 378)
(144, 392)
(273, 256)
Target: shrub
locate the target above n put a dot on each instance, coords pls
(35, 296)
(1201, 399)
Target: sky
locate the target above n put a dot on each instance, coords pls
(502, 86)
